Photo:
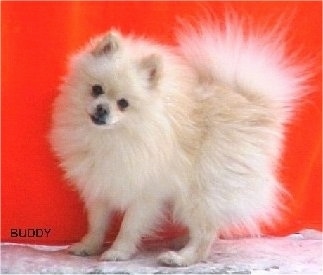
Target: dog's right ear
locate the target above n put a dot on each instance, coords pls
(108, 45)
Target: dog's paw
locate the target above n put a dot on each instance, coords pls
(172, 258)
(115, 255)
(82, 249)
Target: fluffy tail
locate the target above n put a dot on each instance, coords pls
(239, 55)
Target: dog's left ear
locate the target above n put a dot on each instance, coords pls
(152, 67)
(109, 44)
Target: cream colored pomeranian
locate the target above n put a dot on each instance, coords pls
(139, 126)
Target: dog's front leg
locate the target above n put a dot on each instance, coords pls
(98, 212)
(139, 219)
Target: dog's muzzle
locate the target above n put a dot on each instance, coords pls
(100, 115)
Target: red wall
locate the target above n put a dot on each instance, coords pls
(36, 39)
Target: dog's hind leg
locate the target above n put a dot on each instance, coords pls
(202, 233)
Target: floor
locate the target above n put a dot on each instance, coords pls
(295, 254)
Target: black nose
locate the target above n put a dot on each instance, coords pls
(100, 115)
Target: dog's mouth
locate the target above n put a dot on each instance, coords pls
(98, 120)
(100, 115)
(102, 123)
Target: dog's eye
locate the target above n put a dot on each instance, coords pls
(97, 90)
(122, 104)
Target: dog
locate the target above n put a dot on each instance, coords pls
(197, 126)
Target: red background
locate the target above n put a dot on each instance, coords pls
(36, 39)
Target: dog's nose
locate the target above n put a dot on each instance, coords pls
(101, 110)
(101, 114)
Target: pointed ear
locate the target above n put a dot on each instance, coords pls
(152, 66)
(109, 44)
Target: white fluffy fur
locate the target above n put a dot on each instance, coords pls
(202, 133)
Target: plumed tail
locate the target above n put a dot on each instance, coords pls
(236, 54)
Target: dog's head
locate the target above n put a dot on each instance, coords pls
(114, 79)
